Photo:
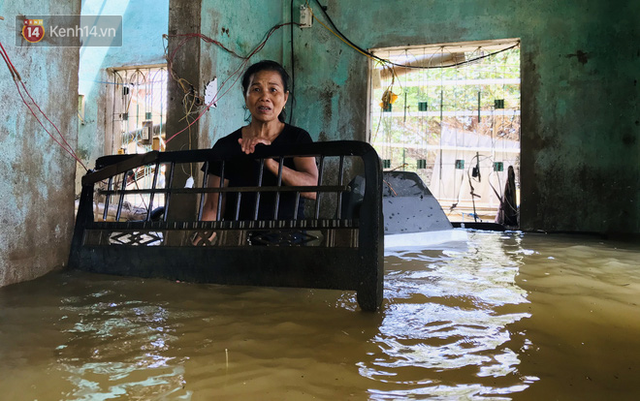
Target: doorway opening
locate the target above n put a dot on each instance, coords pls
(451, 113)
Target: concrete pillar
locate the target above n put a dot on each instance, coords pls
(184, 54)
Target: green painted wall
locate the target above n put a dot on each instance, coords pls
(239, 26)
(580, 145)
(580, 60)
(36, 175)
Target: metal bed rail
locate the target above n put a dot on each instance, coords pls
(338, 244)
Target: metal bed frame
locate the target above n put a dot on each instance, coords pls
(338, 244)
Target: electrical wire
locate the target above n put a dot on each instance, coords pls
(215, 99)
(359, 50)
(189, 36)
(235, 75)
(343, 37)
(388, 64)
(16, 78)
(188, 111)
(366, 53)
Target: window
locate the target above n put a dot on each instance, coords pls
(453, 116)
(137, 118)
(136, 123)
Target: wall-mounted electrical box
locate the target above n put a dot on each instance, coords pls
(306, 18)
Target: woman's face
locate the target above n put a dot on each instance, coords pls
(265, 97)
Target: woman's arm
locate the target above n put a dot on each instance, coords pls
(210, 210)
(305, 173)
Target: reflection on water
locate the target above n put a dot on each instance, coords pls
(505, 316)
(443, 319)
(107, 331)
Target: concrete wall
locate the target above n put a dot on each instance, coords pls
(580, 132)
(580, 145)
(240, 27)
(36, 175)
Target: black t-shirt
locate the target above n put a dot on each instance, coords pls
(243, 170)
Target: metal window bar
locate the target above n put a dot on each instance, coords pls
(279, 184)
(219, 211)
(138, 96)
(151, 195)
(205, 177)
(296, 205)
(105, 213)
(238, 200)
(257, 203)
(167, 195)
(167, 191)
(340, 182)
(316, 213)
(322, 189)
(121, 201)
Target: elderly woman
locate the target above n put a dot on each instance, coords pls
(266, 91)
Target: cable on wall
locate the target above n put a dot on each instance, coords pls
(345, 39)
(235, 76)
(17, 78)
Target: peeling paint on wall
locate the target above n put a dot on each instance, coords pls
(580, 156)
(36, 175)
(239, 27)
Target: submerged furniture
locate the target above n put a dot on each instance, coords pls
(338, 245)
(413, 218)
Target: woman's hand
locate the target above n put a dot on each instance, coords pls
(248, 144)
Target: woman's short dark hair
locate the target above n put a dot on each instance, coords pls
(266, 65)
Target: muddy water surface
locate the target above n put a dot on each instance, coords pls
(504, 317)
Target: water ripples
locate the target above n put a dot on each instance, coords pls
(496, 319)
(444, 315)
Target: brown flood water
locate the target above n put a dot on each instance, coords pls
(509, 316)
